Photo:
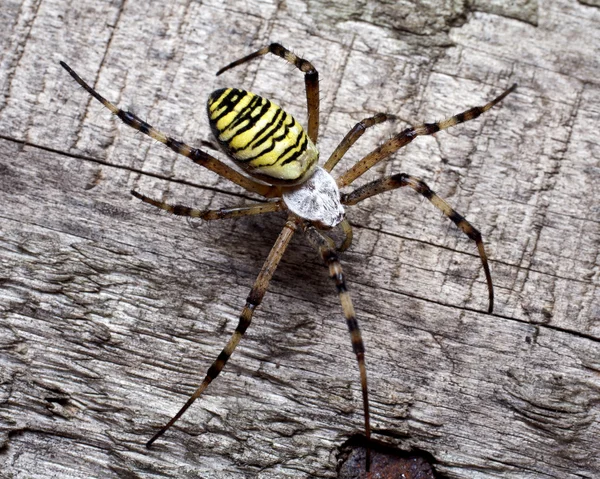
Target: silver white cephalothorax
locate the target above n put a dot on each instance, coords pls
(316, 200)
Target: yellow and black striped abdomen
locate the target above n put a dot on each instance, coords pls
(261, 137)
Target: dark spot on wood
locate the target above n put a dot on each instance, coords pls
(387, 462)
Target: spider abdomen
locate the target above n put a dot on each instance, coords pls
(261, 137)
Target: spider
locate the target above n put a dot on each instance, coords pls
(280, 160)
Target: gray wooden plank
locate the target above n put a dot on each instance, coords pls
(111, 311)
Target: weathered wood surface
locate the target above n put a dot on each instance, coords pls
(111, 311)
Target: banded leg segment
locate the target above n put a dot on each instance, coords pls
(194, 154)
(330, 258)
(311, 81)
(398, 181)
(352, 136)
(208, 215)
(255, 297)
(409, 134)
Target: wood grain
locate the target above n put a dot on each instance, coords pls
(111, 311)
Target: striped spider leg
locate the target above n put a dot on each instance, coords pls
(208, 215)
(409, 134)
(401, 179)
(329, 256)
(311, 81)
(257, 293)
(351, 137)
(194, 154)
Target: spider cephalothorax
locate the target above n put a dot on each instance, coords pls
(271, 146)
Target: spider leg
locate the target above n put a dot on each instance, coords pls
(354, 134)
(409, 134)
(329, 257)
(207, 215)
(401, 179)
(347, 229)
(254, 299)
(194, 154)
(311, 81)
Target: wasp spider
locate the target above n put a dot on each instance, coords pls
(272, 147)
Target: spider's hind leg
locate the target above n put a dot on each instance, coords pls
(311, 81)
(255, 297)
(401, 179)
(327, 253)
(207, 215)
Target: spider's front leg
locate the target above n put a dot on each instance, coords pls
(401, 179)
(409, 134)
(255, 297)
(329, 257)
(311, 81)
(353, 135)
